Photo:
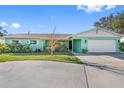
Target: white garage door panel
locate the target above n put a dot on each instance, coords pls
(101, 45)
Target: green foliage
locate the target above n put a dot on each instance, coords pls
(19, 48)
(84, 50)
(112, 22)
(62, 47)
(122, 46)
(4, 48)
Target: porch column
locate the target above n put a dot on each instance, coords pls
(72, 45)
(68, 45)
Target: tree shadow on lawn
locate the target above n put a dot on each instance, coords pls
(117, 70)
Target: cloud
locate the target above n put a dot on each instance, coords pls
(16, 25)
(41, 26)
(52, 17)
(94, 8)
(110, 7)
(3, 24)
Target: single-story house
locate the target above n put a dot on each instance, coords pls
(36, 41)
(94, 40)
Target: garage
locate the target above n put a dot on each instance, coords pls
(101, 46)
(96, 40)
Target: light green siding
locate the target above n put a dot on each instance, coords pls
(24, 41)
(77, 45)
(42, 44)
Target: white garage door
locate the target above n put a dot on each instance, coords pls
(101, 45)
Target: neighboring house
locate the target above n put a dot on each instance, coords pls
(94, 40)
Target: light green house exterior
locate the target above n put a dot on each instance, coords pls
(42, 42)
(94, 40)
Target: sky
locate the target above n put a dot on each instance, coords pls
(69, 19)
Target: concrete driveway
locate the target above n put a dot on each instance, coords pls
(100, 70)
(40, 74)
(104, 70)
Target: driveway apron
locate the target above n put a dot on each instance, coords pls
(104, 70)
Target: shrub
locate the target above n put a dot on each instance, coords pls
(122, 46)
(84, 50)
(62, 47)
(4, 48)
(19, 48)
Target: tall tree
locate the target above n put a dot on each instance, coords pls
(2, 31)
(112, 22)
(118, 23)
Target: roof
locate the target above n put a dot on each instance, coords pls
(58, 36)
(108, 31)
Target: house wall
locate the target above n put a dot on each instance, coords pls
(39, 45)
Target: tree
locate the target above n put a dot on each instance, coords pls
(2, 31)
(118, 23)
(112, 22)
(53, 43)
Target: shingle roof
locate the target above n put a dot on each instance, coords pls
(108, 31)
(38, 36)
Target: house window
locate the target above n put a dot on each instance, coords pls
(33, 42)
(15, 41)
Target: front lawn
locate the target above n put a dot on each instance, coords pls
(59, 58)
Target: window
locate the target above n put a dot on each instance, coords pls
(15, 42)
(33, 42)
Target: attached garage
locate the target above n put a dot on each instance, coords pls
(101, 46)
(96, 40)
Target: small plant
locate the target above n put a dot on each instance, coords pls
(122, 46)
(84, 50)
(4, 48)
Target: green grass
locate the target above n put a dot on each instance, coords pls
(43, 53)
(59, 58)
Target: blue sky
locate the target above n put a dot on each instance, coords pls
(39, 19)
